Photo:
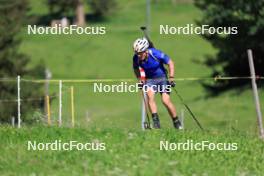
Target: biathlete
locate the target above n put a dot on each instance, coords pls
(152, 61)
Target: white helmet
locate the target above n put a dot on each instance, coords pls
(141, 45)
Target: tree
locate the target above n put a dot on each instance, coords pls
(13, 63)
(231, 58)
(80, 14)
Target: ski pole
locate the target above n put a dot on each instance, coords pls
(189, 110)
(147, 125)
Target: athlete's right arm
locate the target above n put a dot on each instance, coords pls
(137, 73)
(136, 67)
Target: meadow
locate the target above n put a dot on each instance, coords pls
(128, 152)
(110, 57)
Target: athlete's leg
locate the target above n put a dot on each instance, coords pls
(151, 100)
(169, 105)
(153, 108)
(165, 96)
(171, 109)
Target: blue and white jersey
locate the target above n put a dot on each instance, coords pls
(153, 65)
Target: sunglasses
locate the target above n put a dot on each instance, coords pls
(140, 53)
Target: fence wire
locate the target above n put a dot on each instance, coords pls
(40, 81)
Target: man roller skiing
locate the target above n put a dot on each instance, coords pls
(152, 61)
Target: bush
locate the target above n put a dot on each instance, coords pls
(101, 8)
(61, 8)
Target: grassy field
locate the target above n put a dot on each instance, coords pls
(109, 56)
(128, 152)
(114, 118)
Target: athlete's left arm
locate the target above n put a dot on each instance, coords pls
(165, 59)
(171, 69)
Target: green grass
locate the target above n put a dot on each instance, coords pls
(128, 152)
